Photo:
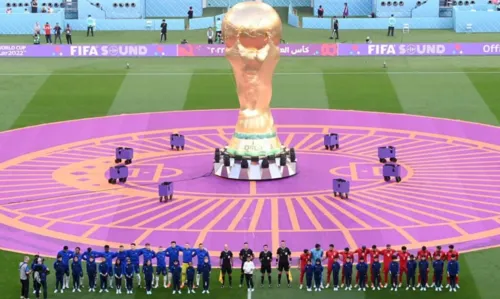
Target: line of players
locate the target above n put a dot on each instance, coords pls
(395, 264)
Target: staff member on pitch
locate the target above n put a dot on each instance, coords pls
(24, 275)
(163, 26)
(210, 35)
(90, 25)
(68, 34)
(218, 30)
(392, 23)
(335, 28)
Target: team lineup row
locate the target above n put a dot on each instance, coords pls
(179, 272)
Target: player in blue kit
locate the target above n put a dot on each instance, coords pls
(77, 272)
(173, 255)
(133, 254)
(376, 266)
(190, 272)
(108, 256)
(66, 256)
(438, 266)
(187, 257)
(347, 269)
(309, 271)
(318, 275)
(423, 269)
(336, 272)
(394, 271)
(453, 269)
(362, 268)
(91, 272)
(122, 255)
(411, 266)
(161, 267)
(201, 252)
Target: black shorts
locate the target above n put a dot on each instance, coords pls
(226, 269)
(265, 269)
(284, 267)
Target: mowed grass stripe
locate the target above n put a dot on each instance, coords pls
(480, 268)
(452, 97)
(487, 85)
(301, 91)
(361, 92)
(211, 92)
(71, 97)
(150, 93)
(15, 94)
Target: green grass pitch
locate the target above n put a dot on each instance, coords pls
(36, 91)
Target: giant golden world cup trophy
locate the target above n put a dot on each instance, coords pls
(252, 34)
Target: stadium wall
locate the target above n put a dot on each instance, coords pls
(293, 19)
(173, 8)
(108, 11)
(275, 3)
(24, 23)
(378, 23)
(336, 7)
(485, 20)
(201, 23)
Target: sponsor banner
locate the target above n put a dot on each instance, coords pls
(431, 49)
(88, 50)
(290, 50)
(285, 50)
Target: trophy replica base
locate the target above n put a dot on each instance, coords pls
(243, 168)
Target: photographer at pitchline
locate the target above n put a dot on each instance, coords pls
(210, 35)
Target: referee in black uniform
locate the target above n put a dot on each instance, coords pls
(283, 258)
(226, 265)
(265, 258)
(244, 254)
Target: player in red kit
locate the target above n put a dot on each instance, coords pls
(403, 256)
(330, 256)
(374, 252)
(304, 257)
(438, 254)
(345, 255)
(449, 254)
(388, 252)
(362, 254)
(426, 254)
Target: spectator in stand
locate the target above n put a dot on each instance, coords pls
(44, 10)
(34, 6)
(57, 33)
(49, 10)
(190, 12)
(321, 12)
(68, 35)
(8, 11)
(48, 33)
(345, 14)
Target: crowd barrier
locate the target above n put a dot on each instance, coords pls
(296, 50)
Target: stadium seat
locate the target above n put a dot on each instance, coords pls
(149, 25)
(468, 28)
(406, 28)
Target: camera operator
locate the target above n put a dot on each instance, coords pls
(40, 273)
(24, 275)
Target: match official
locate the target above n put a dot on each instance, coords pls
(226, 265)
(265, 258)
(246, 254)
(283, 258)
(392, 23)
(24, 273)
